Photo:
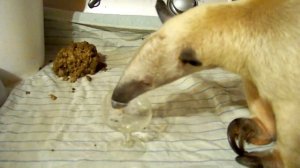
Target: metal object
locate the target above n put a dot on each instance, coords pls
(180, 6)
(94, 3)
(3, 93)
(174, 6)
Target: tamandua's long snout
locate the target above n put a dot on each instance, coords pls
(117, 105)
(125, 92)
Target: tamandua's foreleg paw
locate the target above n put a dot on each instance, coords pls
(247, 130)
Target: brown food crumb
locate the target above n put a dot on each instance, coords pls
(78, 60)
(53, 97)
(89, 78)
(65, 78)
(95, 145)
(52, 150)
(27, 92)
(73, 90)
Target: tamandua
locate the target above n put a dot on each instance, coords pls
(257, 39)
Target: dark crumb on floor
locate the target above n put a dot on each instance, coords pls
(40, 68)
(53, 97)
(27, 92)
(95, 145)
(52, 150)
(89, 78)
(114, 120)
(73, 90)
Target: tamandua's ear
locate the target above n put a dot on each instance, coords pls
(162, 10)
(188, 56)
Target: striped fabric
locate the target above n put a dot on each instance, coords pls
(36, 131)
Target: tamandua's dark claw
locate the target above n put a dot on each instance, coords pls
(250, 161)
(234, 134)
(241, 130)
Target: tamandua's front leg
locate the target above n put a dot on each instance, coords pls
(258, 130)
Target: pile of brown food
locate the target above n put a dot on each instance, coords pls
(78, 60)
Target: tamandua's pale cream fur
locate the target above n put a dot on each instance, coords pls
(257, 39)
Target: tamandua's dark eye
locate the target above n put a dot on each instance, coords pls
(188, 56)
(192, 62)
